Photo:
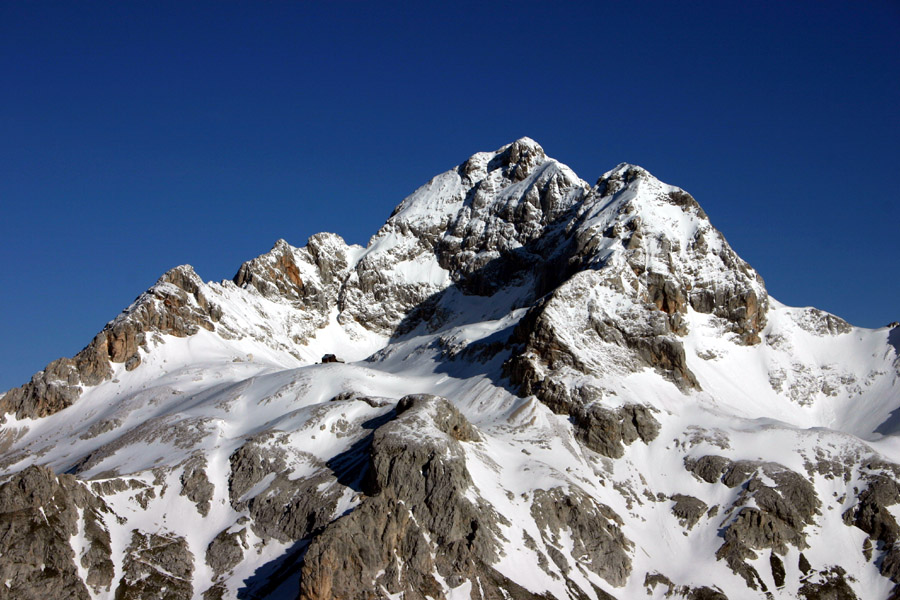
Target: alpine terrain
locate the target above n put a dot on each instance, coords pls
(525, 386)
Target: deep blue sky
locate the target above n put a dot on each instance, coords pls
(138, 136)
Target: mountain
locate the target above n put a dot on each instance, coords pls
(524, 387)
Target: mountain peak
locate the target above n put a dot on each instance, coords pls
(524, 142)
(518, 159)
(523, 149)
(515, 377)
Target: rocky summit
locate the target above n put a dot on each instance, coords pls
(525, 387)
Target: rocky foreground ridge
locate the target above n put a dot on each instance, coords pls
(539, 388)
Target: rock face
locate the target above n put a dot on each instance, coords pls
(174, 306)
(417, 505)
(654, 580)
(308, 278)
(196, 485)
(637, 278)
(285, 509)
(606, 431)
(226, 550)
(688, 509)
(782, 512)
(872, 515)
(597, 540)
(773, 511)
(156, 566)
(40, 516)
(524, 387)
(39, 513)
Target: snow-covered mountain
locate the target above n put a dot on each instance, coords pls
(538, 388)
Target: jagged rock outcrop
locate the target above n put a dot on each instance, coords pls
(195, 484)
(280, 507)
(176, 305)
(226, 550)
(607, 431)
(637, 281)
(275, 273)
(556, 341)
(156, 565)
(417, 505)
(473, 220)
(594, 530)
(512, 200)
(872, 515)
(654, 580)
(831, 584)
(39, 514)
(688, 509)
(309, 278)
(822, 323)
(781, 513)
(689, 264)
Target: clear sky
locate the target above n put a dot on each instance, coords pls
(136, 136)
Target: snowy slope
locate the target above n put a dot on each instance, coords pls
(628, 414)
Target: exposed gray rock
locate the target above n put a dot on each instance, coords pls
(39, 513)
(778, 519)
(54, 388)
(293, 510)
(705, 593)
(484, 258)
(216, 592)
(608, 431)
(831, 466)
(546, 347)
(649, 332)
(373, 299)
(196, 485)
(346, 560)
(736, 295)
(688, 509)
(182, 433)
(273, 274)
(116, 485)
(373, 402)
(656, 349)
(708, 468)
(442, 414)
(278, 275)
(594, 530)
(830, 585)
(743, 309)
(156, 566)
(416, 505)
(504, 202)
(872, 516)
(820, 322)
(652, 580)
(287, 510)
(778, 572)
(226, 550)
(604, 430)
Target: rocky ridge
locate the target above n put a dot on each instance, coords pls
(536, 388)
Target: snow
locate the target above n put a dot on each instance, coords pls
(80, 545)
